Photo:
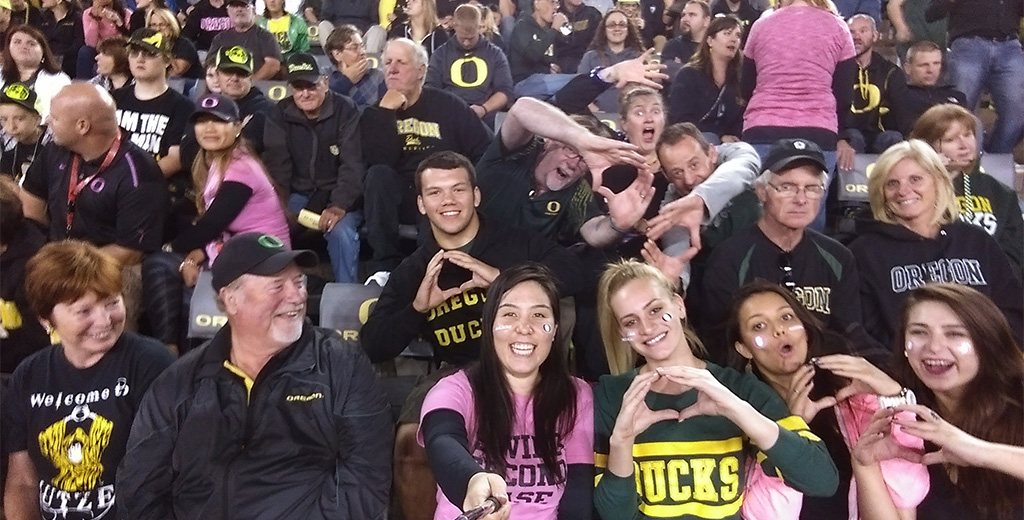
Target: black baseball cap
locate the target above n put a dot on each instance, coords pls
(302, 67)
(20, 94)
(235, 57)
(243, 2)
(217, 105)
(150, 40)
(255, 253)
(787, 151)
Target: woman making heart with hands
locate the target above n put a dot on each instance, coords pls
(783, 345)
(672, 436)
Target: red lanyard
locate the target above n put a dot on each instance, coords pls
(75, 189)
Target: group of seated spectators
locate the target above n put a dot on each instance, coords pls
(615, 225)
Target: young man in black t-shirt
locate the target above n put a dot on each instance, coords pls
(151, 112)
(19, 116)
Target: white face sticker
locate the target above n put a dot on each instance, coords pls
(547, 328)
(910, 346)
(667, 317)
(795, 327)
(760, 342)
(502, 327)
(965, 347)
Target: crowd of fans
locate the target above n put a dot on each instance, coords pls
(614, 223)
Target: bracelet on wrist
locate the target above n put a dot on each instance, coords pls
(595, 73)
(905, 396)
(187, 261)
(615, 228)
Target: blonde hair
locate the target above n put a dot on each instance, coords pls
(168, 18)
(621, 357)
(928, 159)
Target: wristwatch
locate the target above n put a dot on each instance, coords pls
(906, 396)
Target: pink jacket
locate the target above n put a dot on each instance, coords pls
(769, 498)
(99, 30)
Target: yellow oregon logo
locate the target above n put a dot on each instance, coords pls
(554, 207)
(481, 72)
(871, 95)
(16, 91)
(237, 54)
(157, 40)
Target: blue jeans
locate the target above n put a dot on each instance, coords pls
(818, 224)
(977, 64)
(342, 241)
(878, 142)
(541, 86)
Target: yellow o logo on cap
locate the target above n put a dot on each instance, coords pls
(156, 40)
(237, 54)
(16, 91)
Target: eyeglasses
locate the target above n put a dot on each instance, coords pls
(786, 266)
(354, 47)
(789, 190)
(571, 152)
(137, 52)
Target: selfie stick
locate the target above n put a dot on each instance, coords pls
(489, 506)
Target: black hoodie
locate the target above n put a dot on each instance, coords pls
(918, 99)
(876, 94)
(892, 260)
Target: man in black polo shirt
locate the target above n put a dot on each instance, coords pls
(93, 184)
(472, 67)
(985, 54)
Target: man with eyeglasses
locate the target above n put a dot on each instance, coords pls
(819, 271)
(322, 167)
(272, 418)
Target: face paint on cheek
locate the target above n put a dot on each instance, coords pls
(760, 342)
(547, 328)
(667, 317)
(796, 327)
(965, 347)
(628, 337)
(501, 327)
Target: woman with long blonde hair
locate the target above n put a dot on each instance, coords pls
(421, 25)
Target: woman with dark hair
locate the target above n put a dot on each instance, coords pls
(234, 194)
(112, 70)
(616, 40)
(961, 360)
(353, 76)
(679, 413)
(706, 92)
(291, 31)
(518, 410)
(917, 237)
(104, 19)
(787, 348)
(421, 25)
(983, 200)
(27, 59)
(70, 406)
(62, 25)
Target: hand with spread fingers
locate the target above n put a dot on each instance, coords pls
(687, 212)
(600, 153)
(634, 414)
(712, 397)
(637, 70)
(877, 444)
(627, 207)
(671, 266)
(957, 447)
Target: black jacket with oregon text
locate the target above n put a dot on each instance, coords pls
(323, 154)
(311, 440)
(453, 328)
(893, 260)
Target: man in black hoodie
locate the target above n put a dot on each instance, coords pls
(879, 86)
(924, 69)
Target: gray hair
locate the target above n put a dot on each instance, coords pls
(233, 286)
(419, 54)
(862, 16)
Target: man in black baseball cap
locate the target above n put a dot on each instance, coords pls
(246, 33)
(318, 133)
(268, 386)
(781, 248)
(19, 116)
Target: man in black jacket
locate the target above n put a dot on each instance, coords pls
(321, 168)
(924, 90)
(273, 418)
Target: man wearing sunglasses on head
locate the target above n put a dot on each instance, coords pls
(781, 248)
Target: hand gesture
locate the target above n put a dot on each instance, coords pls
(798, 397)
(393, 100)
(429, 295)
(687, 212)
(600, 153)
(957, 447)
(636, 70)
(712, 397)
(670, 266)
(190, 267)
(634, 415)
(483, 486)
(558, 20)
(627, 207)
(483, 274)
(877, 444)
(356, 71)
(330, 218)
(865, 377)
